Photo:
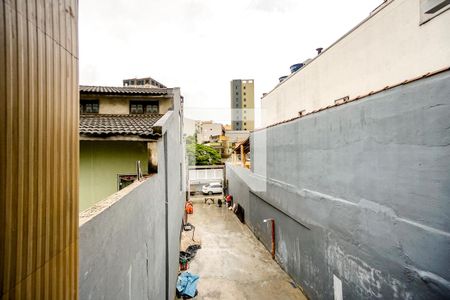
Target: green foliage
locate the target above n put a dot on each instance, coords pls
(202, 155)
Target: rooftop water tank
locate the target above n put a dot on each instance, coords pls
(282, 78)
(296, 67)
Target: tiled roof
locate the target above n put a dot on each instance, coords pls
(107, 125)
(85, 89)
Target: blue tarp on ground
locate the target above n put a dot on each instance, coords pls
(187, 284)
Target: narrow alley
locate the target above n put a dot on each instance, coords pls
(232, 263)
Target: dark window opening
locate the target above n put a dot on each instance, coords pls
(430, 9)
(89, 107)
(125, 180)
(144, 107)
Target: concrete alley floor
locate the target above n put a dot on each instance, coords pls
(232, 263)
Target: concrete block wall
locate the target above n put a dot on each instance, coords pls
(359, 192)
(122, 249)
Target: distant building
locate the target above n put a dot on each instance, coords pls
(189, 128)
(208, 131)
(143, 82)
(242, 96)
(236, 136)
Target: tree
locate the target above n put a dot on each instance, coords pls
(202, 155)
(191, 139)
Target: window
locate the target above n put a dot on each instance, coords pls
(245, 123)
(144, 107)
(432, 8)
(244, 87)
(245, 105)
(245, 99)
(237, 93)
(245, 94)
(89, 106)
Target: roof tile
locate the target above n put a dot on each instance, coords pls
(107, 125)
(85, 89)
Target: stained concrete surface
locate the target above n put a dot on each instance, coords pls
(232, 263)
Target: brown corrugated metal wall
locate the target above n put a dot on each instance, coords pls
(38, 149)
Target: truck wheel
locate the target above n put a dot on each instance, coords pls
(210, 193)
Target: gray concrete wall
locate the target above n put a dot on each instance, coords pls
(122, 239)
(122, 248)
(360, 192)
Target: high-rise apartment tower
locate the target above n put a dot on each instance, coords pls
(242, 104)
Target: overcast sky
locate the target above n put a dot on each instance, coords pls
(201, 45)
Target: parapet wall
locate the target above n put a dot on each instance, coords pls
(359, 193)
(122, 248)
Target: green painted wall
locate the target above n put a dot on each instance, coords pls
(101, 162)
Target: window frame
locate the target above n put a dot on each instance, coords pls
(84, 102)
(144, 104)
(429, 12)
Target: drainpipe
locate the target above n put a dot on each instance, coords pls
(242, 156)
(273, 235)
(166, 208)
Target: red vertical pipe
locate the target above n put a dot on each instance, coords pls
(273, 239)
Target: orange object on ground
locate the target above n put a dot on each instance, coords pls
(189, 208)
